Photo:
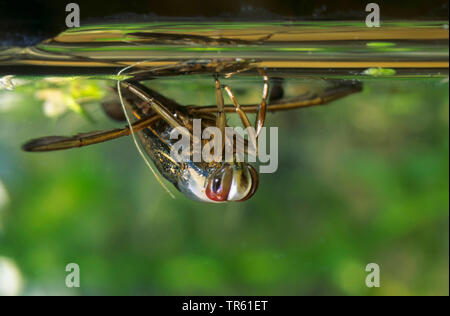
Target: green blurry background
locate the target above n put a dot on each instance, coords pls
(363, 180)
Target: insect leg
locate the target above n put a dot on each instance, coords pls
(221, 120)
(338, 91)
(237, 107)
(51, 143)
(262, 107)
(252, 135)
(156, 105)
(159, 108)
(135, 102)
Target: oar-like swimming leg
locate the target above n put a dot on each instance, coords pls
(51, 143)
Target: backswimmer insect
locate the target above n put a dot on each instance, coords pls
(156, 116)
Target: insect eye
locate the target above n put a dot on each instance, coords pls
(216, 184)
(255, 183)
(219, 185)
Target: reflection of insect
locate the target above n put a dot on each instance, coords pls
(157, 115)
